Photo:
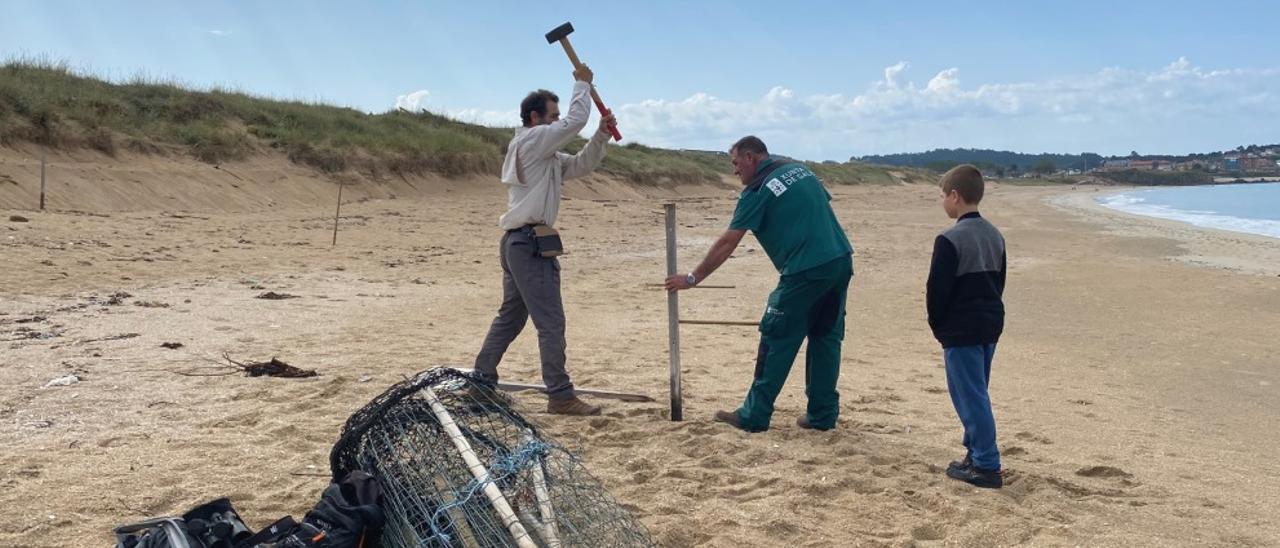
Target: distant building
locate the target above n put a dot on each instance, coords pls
(1257, 164)
(1142, 164)
(1115, 164)
(1231, 163)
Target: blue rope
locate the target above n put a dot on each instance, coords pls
(505, 464)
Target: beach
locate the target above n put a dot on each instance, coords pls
(1135, 387)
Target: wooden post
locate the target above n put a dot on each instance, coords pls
(720, 322)
(479, 472)
(520, 386)
(699, 286)
(44, 158)
(336, 214)
(673, 319)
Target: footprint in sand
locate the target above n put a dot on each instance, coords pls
(1103, 472)
(1013, 451)
(928, 532)
(30, 471)
(1028, 436)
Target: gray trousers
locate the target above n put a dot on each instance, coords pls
(530, 287)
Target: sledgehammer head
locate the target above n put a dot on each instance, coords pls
(559, 32)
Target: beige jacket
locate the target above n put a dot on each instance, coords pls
(535, 169)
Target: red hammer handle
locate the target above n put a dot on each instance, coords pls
(573, 58)
(613, 130)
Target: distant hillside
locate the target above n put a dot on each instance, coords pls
(1000, 162)
(1005, 163)
(48, 103)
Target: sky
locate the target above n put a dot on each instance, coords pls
(816, 80)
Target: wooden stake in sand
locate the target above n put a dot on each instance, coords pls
(610, 394)
(44, 158)
(699, 286)
(673, 319)
(719, 322)
(336, 214)
(478, 471)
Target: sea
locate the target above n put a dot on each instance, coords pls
(1252, 208)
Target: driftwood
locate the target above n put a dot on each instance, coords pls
(273, 368)
(273, 296)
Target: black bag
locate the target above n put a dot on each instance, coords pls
(347, 516)
(214, 524)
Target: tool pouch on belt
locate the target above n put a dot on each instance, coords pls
(546, 241)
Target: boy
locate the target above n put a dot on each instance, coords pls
(966, 314)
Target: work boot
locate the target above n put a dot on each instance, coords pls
(572, 406)
(731, 418)
(803, 422)
(989, 479)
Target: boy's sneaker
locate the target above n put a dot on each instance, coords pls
(989, 479)
(963, 463)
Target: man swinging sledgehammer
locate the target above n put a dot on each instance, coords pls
(534, 171)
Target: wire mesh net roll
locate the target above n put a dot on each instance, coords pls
(516, 488)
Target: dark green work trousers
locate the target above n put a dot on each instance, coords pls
(807, 304)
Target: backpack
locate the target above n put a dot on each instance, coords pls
(347, 516)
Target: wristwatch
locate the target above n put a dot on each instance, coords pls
(691, 279)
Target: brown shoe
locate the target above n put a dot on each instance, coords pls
(572, 406)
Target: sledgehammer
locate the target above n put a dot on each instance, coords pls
(561, 34)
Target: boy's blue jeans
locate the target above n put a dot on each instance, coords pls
(968, 375)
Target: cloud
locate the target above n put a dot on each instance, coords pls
(1178, 107)
(413, 102)
(1110, 110)
(492, 118)
(220, 33)
(891, 73)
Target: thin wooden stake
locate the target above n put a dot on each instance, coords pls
(609, 394)
(719, 322)
(336, 214)
(699, 286)
(478, 471)
(44, 158)
(673, 319)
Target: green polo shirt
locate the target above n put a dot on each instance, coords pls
(789, 211)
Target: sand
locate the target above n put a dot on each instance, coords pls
(1135, 387)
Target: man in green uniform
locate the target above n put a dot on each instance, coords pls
(789, 211)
